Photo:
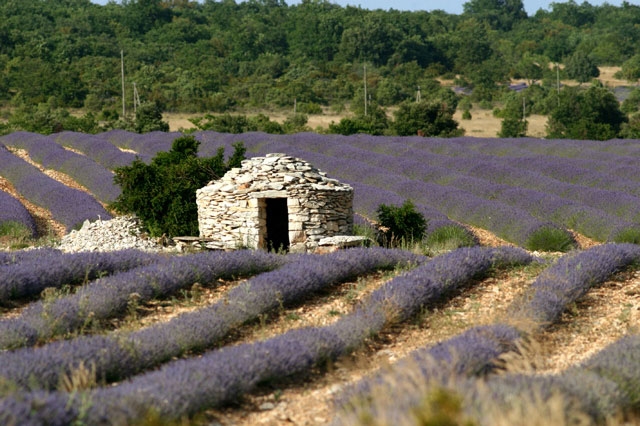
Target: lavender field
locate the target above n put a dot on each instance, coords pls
(514, 188)
(494, 335)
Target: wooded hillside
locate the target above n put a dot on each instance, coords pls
(214, 56)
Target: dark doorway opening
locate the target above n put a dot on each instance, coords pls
(277, 237)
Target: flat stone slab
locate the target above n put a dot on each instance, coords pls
(189, 239)
(344, 241)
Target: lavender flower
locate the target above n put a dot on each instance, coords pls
(570, 278)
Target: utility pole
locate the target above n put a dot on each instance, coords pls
(122, 73)
(136, 99)
(558, 81)
(365, 90)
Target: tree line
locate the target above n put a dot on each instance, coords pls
(228, 57)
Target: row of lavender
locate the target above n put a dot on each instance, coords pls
(190, 385)
(600, 387)
(25, 274)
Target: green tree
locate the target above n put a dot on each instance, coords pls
(631, 104)
(514, 123)
(631, 129)
(149, 118)
(45, 119)
(513, 126)
(425, 118)
(581, 67)
(499, 14)
(531, 67)
(316, 31)
(593, 113)
(630, 69)
(374, 123)
(163, 193)
(400, 224)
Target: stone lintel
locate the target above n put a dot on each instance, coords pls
(269, 194)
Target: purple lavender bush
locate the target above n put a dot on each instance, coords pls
(30, 276)
(570, 278)
(619, 363)
(17, 256)
(145, 145)
(473, 353)
(98, 149)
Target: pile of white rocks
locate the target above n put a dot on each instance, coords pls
(119, 233)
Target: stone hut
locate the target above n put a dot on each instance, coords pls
(274, 202)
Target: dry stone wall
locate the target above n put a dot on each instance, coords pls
(236, 211)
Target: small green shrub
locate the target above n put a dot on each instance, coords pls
(15, 235)
(485, 104)
(466, 114)
(549, 238)
(450, 237)
(400, 225)
(309, 108)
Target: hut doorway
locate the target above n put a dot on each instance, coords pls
(277, 224)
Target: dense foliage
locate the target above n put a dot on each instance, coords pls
(401, 224)
(163, 193)
(590, 114)
(219, 56)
